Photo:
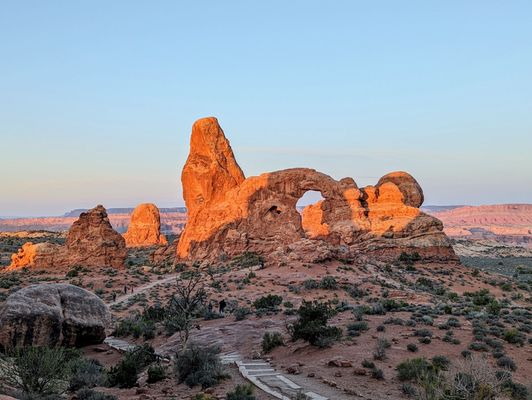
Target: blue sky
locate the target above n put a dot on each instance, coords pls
(97, 98)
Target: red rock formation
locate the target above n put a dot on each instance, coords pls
(91, 242)
(145, 227)
(39, 255)
(229, 214)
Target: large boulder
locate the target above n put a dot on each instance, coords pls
(229, 214)
(145, 227)
(55, 314)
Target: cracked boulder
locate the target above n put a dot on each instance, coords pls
(53, 315)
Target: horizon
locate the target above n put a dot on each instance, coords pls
(98, 101)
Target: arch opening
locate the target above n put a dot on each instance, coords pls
(310, 206)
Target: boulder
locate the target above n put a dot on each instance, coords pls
(55, 314)
(229, 214)
(145, 227)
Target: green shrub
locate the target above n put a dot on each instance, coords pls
(241, 392)
(412, 347)
(197, 365)
(89, 394)
(355, 328)
(125, 373)
(156, 373)
(310, 284)
(328, 283)
(38, 371)
(441, 362)
(247, 260)
(311, 325)
(85, 374)
(513, 336)
(506, 362)
(269, 302)
(413, 369)
(241, 313)
(380, 349)
(271, 340)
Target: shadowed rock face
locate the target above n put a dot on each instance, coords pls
(91, 242)
(145, 227)
(53, 315)
(228, 214)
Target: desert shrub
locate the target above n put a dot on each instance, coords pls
(136, 326)
(311, 325)
(271, 340)
(441, 363)
(380, 349)
(328, 283)
(423, 333)
(241, 313)
(269, 302)
(425, 340)
(125, 373)
(408, 389)
(412, 347)
(197, 365)
(241, 392)
(355, 328)
(513, 336)
(409, 258)
(310, 284)
(381, 328)
(9, 280)
(481, 297)
(85, 374)
(453, 322)
(156, 373)
(377, 373)
(506, 362)
(515, 390)
(38, 371)
(413, 369)
(478, 346)
(89, 394)
(247, 260)
(354, 291)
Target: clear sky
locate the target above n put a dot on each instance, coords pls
(97, 97)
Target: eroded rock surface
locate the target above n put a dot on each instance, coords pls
(228, 214)
(53, 315)
(145, 227)
(91, 242)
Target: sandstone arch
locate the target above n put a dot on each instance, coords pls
(229, 214)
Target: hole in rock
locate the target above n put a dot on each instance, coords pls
(311, 214)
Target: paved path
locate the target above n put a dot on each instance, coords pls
(262, 374)
(142, 289)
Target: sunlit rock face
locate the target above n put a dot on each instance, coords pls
(91, 242)
(145, 227)
(228, 214)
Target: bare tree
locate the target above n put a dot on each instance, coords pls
(189, 298)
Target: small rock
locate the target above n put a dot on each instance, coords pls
(360, 371)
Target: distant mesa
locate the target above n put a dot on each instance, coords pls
(229, 214)
(145, 227)
(91, 242)
(53, 315)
